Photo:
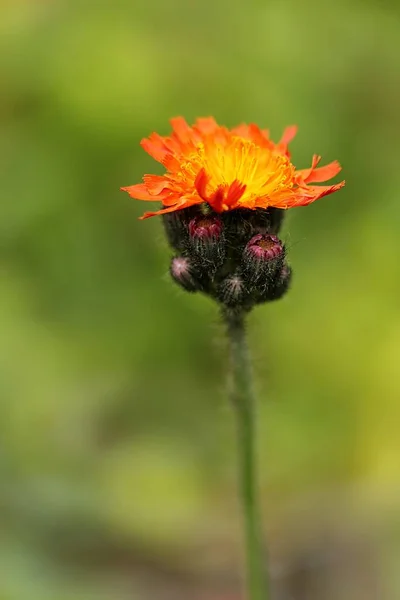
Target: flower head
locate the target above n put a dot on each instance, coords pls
(228, 169)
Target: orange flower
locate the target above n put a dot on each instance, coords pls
(228, 169)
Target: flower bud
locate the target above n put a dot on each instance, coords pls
(184, 274)
(205, 228)
(207, 241)
(176, 226)
(278, 287)
(232, 291)
(264, 247)
(262, 259)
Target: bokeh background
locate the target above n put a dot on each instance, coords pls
(117, 444)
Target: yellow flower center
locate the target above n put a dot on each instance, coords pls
(260, 169)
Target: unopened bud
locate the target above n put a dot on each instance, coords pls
(264, 247)
(205, 228)
(281, 284)
(232, 291)
(184, 274)
(262, 259)
(176, 226)
(207, 241)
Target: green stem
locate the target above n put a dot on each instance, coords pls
(243, 402)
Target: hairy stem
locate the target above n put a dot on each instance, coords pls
(243, 401)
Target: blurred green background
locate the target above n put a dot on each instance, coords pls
(117, 447)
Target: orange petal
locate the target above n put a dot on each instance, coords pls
(241, 130)
(254, 133)
(200, 184)
(315, 192)
(156, 184)
(235, 192)
(303, 174)
(217, 200)
(281, 199)
(288, 134)
(324, 173)
(139, 192)
(259, 136)
(156, 146)
(183, 203)
(206, 125)
(182, 129)
(171, 163)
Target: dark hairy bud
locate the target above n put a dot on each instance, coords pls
(207, 241)
(176, 226)
(262, 259)
(184, 274)
(278, 287)
(234, 257)
(232, 290)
